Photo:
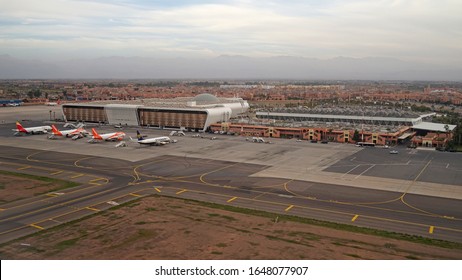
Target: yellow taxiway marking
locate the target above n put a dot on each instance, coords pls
(92, 209)
(354, 218)
(36, 226)
(57, 172)
(77, 176)
(430, 230)
(24, 167)
(52, 194)
(97, 179)
(182, 191)
(231, 199)
(157, 189)
(134, 194)
(288, 208)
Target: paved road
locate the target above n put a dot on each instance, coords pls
(107, 182)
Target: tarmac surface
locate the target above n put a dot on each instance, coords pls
(415, 191)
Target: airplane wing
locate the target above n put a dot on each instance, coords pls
(76, 132)
(113, 137)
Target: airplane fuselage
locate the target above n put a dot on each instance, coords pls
(155, 141)
(33, 130)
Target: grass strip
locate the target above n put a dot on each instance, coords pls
(333, 225)
(62, 184)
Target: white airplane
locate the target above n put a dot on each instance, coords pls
(31, 130)
(113, 136)
(156, 141)
(74, 133)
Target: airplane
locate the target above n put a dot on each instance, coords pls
(31, 130)
(74, 133)
(113, 136)
(156, 141)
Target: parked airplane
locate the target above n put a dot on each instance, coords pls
(31, 130)
(156, 141)
(74, 133)
(113, 136)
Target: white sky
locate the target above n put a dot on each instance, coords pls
(411, 30)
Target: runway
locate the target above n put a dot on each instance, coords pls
(108, 182)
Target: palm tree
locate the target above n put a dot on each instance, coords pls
(446, 128)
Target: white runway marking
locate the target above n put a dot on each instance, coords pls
(364, 171)
(350, 170)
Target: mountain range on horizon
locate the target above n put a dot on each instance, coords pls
(227, 67)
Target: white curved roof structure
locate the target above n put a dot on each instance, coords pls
(190, 113)
(206, 97)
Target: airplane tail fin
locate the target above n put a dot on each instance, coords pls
(20, 127)
(95, 134)
(55, 131)
(139, 136)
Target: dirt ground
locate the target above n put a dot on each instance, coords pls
(14, 187)
(167, 228)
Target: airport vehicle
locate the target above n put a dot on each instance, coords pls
(177, 133)
(31, 130)
(74, 133)
(156, 141)
(394, 152)
(365, 144)
(121, 144)
(258, 140)
(76, 125)
(113, 136)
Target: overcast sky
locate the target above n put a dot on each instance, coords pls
(411, 30)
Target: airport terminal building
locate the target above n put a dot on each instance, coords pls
(196, 113)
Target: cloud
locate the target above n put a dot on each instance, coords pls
(418, 30)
